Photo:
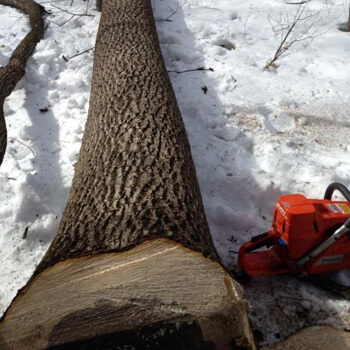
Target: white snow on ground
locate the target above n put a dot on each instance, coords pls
(42, 145)
(255, 133)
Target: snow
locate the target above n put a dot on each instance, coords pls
(42, 145)
(255, 133)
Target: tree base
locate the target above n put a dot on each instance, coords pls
(158, 295)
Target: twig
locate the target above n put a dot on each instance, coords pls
(245, 25)
(88, 4)
(63, 23)
(297, 3)
(167, 19)
(31, 149)
(24, 236)
(190, 70)
(51, 1)
(81, 53)
(73, 14)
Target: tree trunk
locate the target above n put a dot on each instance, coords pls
(348, 27)
(122, 268)
(135, 178)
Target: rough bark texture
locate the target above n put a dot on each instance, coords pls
(135, 177)
(12, 73)
(135, 181)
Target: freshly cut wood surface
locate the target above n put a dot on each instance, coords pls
(158, 282)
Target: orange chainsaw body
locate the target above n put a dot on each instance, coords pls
(299, 225)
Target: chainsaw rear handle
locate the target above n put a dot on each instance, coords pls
(259, 241)
(344, 191)
(262, 240)
(337, 186)
(341, 231)
(256, 242)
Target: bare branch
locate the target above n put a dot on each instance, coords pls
(81, 53)
(297, 3)
(167, 19)
(73, 14)
(305, 25)
(22, 143)
(190, 70)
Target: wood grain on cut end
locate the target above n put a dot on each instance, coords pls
(158, 290)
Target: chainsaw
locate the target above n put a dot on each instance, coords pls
(308, 237)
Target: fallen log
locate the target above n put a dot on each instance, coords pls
(133, 264)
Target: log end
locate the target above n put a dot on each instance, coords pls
(158, 295)
(315, 338)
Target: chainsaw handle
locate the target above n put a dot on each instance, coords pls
(337, 186)
(256, 242)
(259, 241)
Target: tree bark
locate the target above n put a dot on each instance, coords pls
(348, 27)
(135, 178)
(12, 73)
(122, 268)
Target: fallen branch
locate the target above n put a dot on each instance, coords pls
(73, 14)
(79, 53)
(297, 3)
(167, 19)
(15, 69)
(22, 143)
(190, 70)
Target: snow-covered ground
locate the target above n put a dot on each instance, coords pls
(45, 116)
(255, 133)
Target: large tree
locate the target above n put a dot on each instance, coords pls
(133, 262)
